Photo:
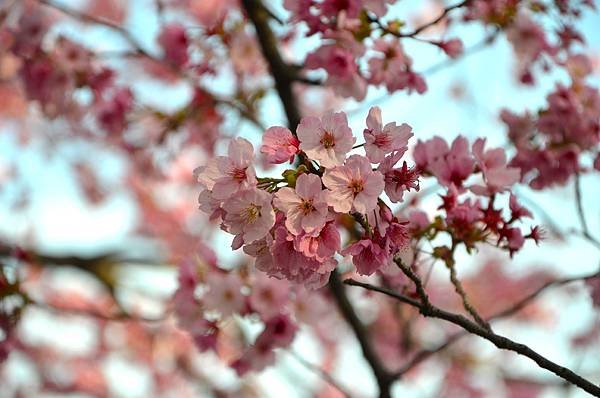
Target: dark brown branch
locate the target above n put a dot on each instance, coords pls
(496, 339)
(384, 378)
(514, 308)
(465, 300)
(423, 27)
(282, 73)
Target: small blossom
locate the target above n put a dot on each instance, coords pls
(453, 47)
(305, 206)
(269, 296)
(451, 166)
(290, 264)
(174, 42)
(397, 181)
(497, 175)
(249, 215)
(225, 294)
(236, 170)
(321, 245)
(327, 139)
(354, 186)
(367, 256)
(279, 145)
(380, 140)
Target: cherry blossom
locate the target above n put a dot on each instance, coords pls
(249, 215)
(353, 186)
(381, 140)
(232, 173)
(224, 295)
(327, 139)
(305, 206)
(279, 145)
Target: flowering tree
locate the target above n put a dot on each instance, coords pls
(374, 237)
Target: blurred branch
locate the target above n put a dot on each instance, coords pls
(383, 376)
(99, 21)
(100, 266)
(427, 25)
(119, 316)
(499, 341)
(585, 231)
(280, 71)
(319, 372)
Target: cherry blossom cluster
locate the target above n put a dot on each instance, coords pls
(552, 144)
(290, 224)
(535, 46)
(208, 297)
(362, 45)
(351, 32)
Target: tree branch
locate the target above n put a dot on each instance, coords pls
(585, 231)
(514, 308)
(384, 378)
(496, 339)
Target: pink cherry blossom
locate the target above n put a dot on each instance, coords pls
(449, 165)
(174, 42)
(367, 256)
(236, 170)
(497, 175)
(305, 206)
(249, 215)
(290, 264)
(339, 60)
(354, 186)
(394, 69)
(225, 294)
(269, 296)
(327, 139)
(517, 211)
(261, 251)
(381, 140)
(321, 245)
(594, 285)
(279, 145)
(332, 8)
(399, 180)
(453, 47)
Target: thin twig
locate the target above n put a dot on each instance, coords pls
(465, 300)
(585, 231)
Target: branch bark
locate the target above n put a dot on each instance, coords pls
(499, 341)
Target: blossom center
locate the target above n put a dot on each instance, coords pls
(250, 213)
(306, 206)
(356, 186)
(328, 140)
(382, 140)
(238, 174)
